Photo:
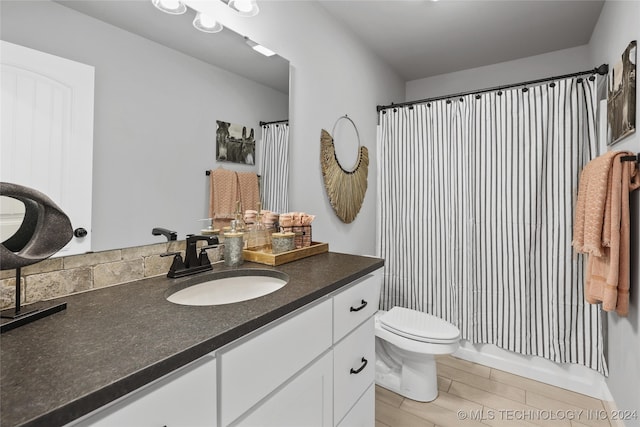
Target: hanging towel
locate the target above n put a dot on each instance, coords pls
(223, 196)
(249, 191)
(607, 278)
(590, 205)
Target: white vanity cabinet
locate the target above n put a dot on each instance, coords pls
(320, 365)
(186, 397)
(354, 352)
(253, 368)
(314, 367)
(306, 400)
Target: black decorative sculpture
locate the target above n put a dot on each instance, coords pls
(45, 229)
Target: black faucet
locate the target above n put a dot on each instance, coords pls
(193, 263)
(191, 258)
(170, 235)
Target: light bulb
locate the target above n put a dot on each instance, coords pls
(173, 7)
(170, 4)
(243, 5)
(206, 23)
(245, 8)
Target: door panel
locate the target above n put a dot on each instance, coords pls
(47, 131)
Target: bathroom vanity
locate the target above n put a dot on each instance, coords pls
(303, 355)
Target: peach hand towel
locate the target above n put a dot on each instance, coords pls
(223, 195)
(590, 205)
(249, 191)
(607, 278)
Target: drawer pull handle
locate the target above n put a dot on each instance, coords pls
(364, 304)
(357, 371)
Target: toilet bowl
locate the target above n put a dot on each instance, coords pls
(406, 341)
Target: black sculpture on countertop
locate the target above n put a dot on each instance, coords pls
(45, 229)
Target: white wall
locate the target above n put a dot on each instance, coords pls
(619, 24)
(332, 74)
(155, 120)
(564, 61)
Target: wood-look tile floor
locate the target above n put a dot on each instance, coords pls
(475, 395)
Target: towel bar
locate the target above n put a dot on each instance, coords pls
(208, 173)
(630, 158)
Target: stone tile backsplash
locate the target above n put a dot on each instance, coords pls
(57, 277)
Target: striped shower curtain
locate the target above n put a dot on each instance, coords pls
(475, 216)
(274, 167)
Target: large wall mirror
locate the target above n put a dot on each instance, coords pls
(160, 86)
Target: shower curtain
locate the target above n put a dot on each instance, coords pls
(274, 167)
(475, 216)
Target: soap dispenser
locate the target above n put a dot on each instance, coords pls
(233, 246)
(240, 225)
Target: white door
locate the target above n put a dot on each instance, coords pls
(47, 131)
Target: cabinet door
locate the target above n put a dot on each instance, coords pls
(364, 413)
(305, 401)
(258, 366)
(186, 397)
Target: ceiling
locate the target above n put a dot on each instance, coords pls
(226, 49)
(423, 38)
(417, 38)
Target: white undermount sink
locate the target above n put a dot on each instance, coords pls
(227, 287)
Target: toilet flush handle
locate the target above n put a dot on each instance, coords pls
(363, 305)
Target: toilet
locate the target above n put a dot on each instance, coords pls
(406, 341)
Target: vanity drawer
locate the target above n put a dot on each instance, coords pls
(356, 304)
(257, 366)
(354, 362)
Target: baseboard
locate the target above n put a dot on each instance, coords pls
(572, 377)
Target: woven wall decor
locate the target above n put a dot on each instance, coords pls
(345, 188)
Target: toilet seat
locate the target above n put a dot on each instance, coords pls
(418, 326)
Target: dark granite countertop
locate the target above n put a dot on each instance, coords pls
(111, 341)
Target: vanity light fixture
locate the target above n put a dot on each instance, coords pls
(246, 8)
(173, 7)
(206, 23)
(259, 48)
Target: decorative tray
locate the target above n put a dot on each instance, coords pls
(285, 257)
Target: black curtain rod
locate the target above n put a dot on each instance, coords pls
(274, 122)
(602, 70)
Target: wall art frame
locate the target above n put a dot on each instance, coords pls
(235, 143)
(621, 96)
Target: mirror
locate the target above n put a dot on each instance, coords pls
(160, 86)
(11, 216)
(43, 231)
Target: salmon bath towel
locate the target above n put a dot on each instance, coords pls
(249, 190)
(223, 196)
(590, 206)
(608, 263)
